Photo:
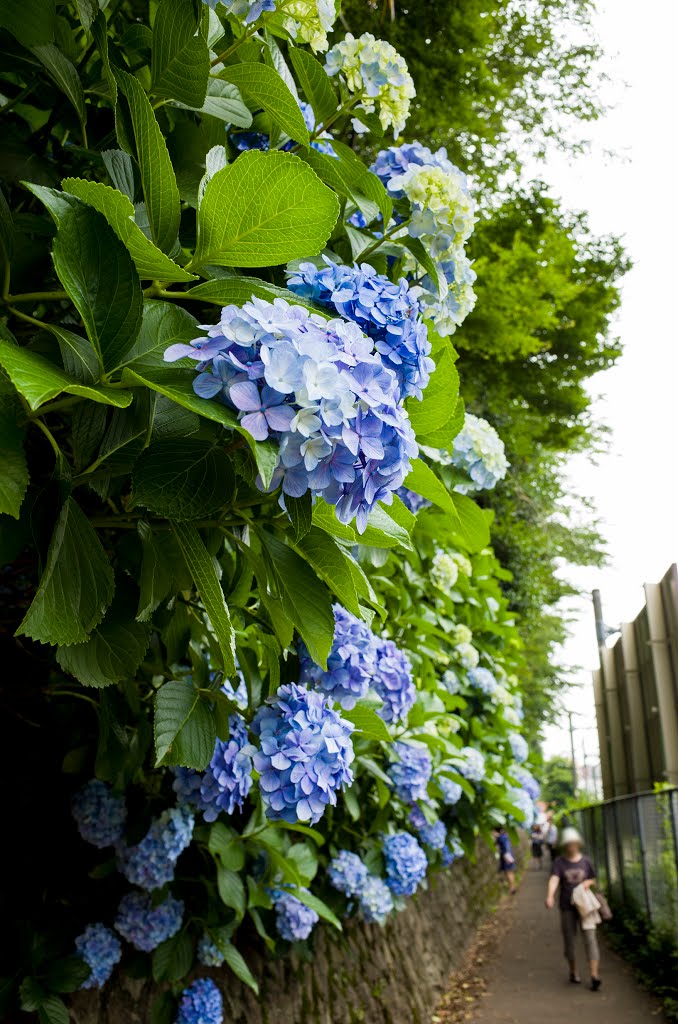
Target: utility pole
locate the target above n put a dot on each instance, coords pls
(574, 765)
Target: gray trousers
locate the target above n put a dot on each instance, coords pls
(570, 923)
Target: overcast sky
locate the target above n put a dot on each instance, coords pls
(635, 486)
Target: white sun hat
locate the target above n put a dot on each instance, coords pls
(571, 836)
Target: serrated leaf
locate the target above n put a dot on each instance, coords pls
(329, 562)
(53, 1011)
(181, 391)
(264, 86)
(237, 963)
(87, 12)
(368, 722)
(223, 100)
(202, 569)
(114, 651)
(300, 511)
(120, 169)
(77, 354)
(76, 586)
(67, 974)
(162, 324)
(180, 64)
(38, 380)
(32, 22)
(306, 600)
(173, 958)
(151, 262)
(238, 290)
(65, 76)
(231, 890)
(13, 467)
(321, 909)
(422, 480)
(473, 524)
(439, 398)
(316, 84)
(157, 175)
(381, 532)
(163, 570)
(305, 859)
(263, 210)
(426, 261)
(184, 727)
(98, 273)
(183, 479)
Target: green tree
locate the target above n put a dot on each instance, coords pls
(556, 781)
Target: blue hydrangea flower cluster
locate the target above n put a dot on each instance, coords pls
(453, 850)
(351, 664)
(373, 69)
(410, 774)
(433, 835)
(238, 694)
(376, 901)
(472, 766)
(479, 451)
(393, 682)
(208, 952)
(412, 500)
(321, 390)
(294, 920)
(99, 815)
(483, 680)
(406, 863)
(347, 873)
(443, 218)
(306, 21)
(244, 141)
(526, 780)
(521, 799)
(150, 864)
(201, 1003)
(305, 756)
(144, 925)
(101, 951)
(358, 660)
(388, 313)
(225, 784)
(450, 789)
(519, 747)
(248, 10)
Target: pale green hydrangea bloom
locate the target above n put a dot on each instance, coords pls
(374, 69)
(462, 634)
(309, 21)
(444, 570)
(468, 655)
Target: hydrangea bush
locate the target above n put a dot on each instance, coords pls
(257, 595)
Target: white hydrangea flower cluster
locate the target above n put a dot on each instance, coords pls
(468, 655)
(444, 570)
(463, 563)
(479, 450)
(375, 70)
(462, 635)
(309, 21)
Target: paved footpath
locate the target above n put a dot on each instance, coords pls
(527, 980)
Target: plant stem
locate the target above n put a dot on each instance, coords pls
(50, 437)
(37, 297)
(63, 403)
(27, 318)
(385, 237)
(247, 34)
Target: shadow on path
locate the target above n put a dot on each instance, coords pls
(522, 978)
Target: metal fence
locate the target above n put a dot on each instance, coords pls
(633, 841)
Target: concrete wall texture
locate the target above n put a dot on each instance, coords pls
(367, 975)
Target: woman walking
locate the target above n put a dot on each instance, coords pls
(507, 862)
(573, 874)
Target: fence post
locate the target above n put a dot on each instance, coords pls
(640, 824)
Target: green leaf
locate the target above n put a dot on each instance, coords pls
(31, 994)
(305, 859)
(340, 177)
(321, 909)
(113, 652)
(163, 570)
(120, 167)
(13, 467)
(157, 175)
(162, 324)
(76, 587)
(6, 227)
(77, 354)
(364, 181)
(381, 532)
(426, 261)
(231, 890)
(422, 480)
(151, 262)
(202, 568)
(67, 974)
(173, 958)
(263, 210)
(97, 272)
(184, 727)
(237, 963)
(53, 1011)
(300, 511)
(183, 479)
(306, 601)
(224, 101)
(87, 12)
(180, 64)
(329, 563)
(368, 722)
(225, 844)
(163, 1009)
(65, 77)
(316, 84)
(238, 290)
(264, 86)
(38, 380)
(32, 22)
(439, 398)
(473, 524)
(181, 391)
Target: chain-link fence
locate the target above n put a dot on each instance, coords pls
(633, 841)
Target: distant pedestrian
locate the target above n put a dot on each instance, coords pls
(507, 862)
(551, 836)
(573, 874)
(537, 841)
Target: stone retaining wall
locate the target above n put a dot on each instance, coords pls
(368, 975)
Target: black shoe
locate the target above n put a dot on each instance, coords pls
(575, 979)
(595, 984)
